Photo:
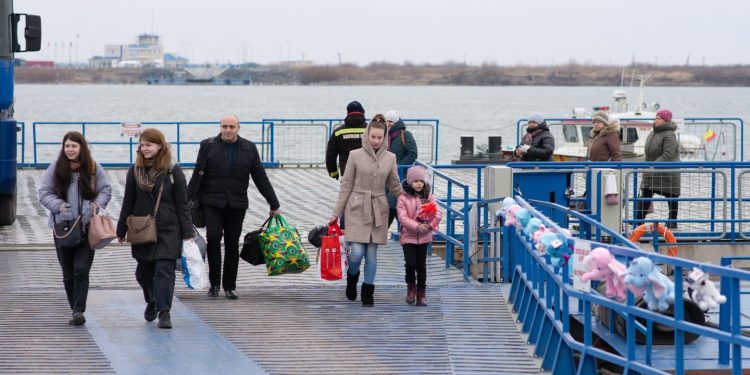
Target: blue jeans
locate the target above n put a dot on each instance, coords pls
(369, 252)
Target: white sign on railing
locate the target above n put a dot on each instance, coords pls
(130, 129)
(582, 248)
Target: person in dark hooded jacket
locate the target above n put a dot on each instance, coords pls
(345, 139)
(538, 143)
(402, 144)
(154, 179)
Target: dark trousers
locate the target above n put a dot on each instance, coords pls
(391, 216)
(76, 265)
(226, 222)
(642, 208)
(156, 278)
(415, 259)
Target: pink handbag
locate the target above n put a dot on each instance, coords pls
(101, 229)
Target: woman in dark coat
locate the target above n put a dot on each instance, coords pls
(402, 144)
(154, 174)
(661, 145)
(538, 142)
(605, 139)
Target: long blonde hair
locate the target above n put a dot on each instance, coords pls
(163, 159)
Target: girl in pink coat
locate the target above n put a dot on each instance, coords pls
(419, 217)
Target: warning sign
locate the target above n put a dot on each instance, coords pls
(130, 129)
(582, 248)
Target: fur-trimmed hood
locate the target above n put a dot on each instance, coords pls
(612, 127)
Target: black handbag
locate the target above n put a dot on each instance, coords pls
(69, 234)
(251, 251)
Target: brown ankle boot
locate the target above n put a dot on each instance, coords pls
(421, 298)
(411, 293)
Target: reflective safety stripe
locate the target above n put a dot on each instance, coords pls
(349, 131)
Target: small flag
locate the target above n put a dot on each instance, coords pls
(709, 135)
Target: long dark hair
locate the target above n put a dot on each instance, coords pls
(64, 175)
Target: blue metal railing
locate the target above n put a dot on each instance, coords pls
(452, 239)
(22, 143)
(412, 123)
(179, 140)
(541, 294)
(689, 123)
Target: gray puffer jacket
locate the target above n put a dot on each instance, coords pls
(49, 199)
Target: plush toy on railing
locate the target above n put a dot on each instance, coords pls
(703, 291)
(645, 278)
(558, 251)
(603, 266)
(531, 227)
(537, 238)
(522, 218)
(510, 215)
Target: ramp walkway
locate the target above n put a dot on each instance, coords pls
(287, 324)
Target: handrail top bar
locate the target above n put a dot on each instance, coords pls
(545, 220)
(587, 220)
(144, 122)
(637, 252)
(339, 119)
(524, 119)
(628, 164)
(441, 174)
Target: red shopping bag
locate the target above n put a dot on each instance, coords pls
(332, 259)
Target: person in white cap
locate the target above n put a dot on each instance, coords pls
(538, 143)
(401, 143)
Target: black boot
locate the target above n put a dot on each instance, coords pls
(165, 320)
(351, 286)
(367, 291)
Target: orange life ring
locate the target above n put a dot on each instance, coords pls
(664, 231)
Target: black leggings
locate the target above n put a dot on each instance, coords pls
(642, 207)
(415, 259)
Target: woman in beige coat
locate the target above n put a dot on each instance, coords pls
(363, 201)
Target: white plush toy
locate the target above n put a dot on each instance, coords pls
(703, 291)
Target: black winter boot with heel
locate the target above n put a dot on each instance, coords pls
(367, 295)
(351, 286)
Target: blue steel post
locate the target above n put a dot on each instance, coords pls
(732, 172)
(179, 143)
(467, 256)
(713, 201)
(83, 129)
(734, 295)
(272, 140)
(23, 143)
(437, 139)
(33, 134)
(725, 311)
(130, 143)
(449, 227)
(679, 315)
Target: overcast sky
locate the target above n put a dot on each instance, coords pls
(434, 31)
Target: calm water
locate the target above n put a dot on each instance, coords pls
(478, 111)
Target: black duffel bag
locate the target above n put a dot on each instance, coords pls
(251, 251)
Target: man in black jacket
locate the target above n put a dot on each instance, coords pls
(345, 138)
(227, 162)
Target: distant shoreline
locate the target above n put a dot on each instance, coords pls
(407, 75)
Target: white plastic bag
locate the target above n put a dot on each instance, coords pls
(193, 269)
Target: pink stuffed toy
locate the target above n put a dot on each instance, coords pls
(703, 291)
(603, 266)
(510, 217)
(537, 239)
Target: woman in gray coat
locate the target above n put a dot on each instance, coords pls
(661, 145)
(66, 191)
(362, 199)
(154, 174)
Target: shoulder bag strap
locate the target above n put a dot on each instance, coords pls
(158, 199)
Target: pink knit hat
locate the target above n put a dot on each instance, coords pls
(415, 173)
(665, 115)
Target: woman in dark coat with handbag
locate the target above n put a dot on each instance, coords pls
(152, 181)
(538, 142)
(68, 193)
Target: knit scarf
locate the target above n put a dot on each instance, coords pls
(75, 166)
(146, 177)
(528, 137)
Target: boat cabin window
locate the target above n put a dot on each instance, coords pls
(632, 135)
(570, 133)
(586, 133)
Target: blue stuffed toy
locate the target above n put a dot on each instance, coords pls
(644, 278)
(554, 246)
(522, 218)
(531, 227)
